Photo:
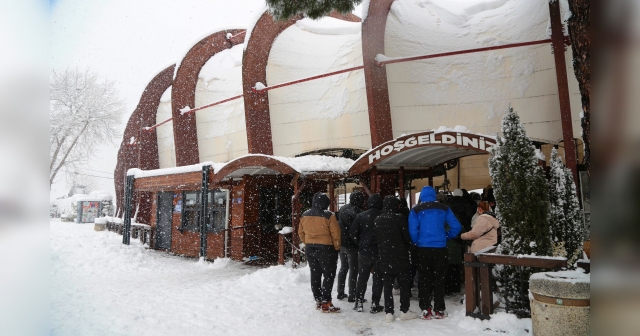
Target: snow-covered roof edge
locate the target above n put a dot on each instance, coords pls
(305, 164)
(138, 173)
(253, 22)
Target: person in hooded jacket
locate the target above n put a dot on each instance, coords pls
(349, 248)
(427, 222)
(362, 234)
(485, 230)
(319, 231)
(392, 238)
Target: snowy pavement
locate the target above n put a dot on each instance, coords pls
(101, 287)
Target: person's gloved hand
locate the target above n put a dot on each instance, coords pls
(302, 245)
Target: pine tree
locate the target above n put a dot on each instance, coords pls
(522, 205)
(565, 216)
(314, 9)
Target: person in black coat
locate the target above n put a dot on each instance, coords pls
(349, 248)
(362, 234)
(393, 241)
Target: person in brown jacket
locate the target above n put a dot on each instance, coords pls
(485, 230)
(320, 233)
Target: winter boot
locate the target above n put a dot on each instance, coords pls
(439, 315)
(328, 307)
(376, 308)
(427, 314)
(390, 318)
(409, 315)
(318, 305)
(358, 306)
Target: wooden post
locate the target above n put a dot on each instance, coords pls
(332, 205)
(401, 182)
(373, 184)
(280, 249)
(486, 306)
(557, 41)
(469, 284)
(295, 219)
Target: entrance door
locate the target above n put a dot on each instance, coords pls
(165, 216)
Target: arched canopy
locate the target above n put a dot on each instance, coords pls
(313, 166)
(422, 150)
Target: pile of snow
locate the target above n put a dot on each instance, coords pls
(576, 276)
(306, 164)
(220, 63)
(329, 26)
(100, 220)
(286, 230)
(252, 23)
(138, 173)
(190, 297)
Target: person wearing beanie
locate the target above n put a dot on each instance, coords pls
(319, 231)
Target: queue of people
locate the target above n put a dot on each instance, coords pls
(389, 242)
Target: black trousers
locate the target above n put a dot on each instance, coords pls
(365, 265)
(323, 262)
(404, 279)
(432, 269)
(348, 264)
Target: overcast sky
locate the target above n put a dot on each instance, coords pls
(129, 42)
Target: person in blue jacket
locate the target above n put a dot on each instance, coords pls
(428, 232)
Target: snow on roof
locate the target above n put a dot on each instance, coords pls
(252, 23)
(306, 164)
(221, 62)
(166, 96)
(329, 26)
(138, 173)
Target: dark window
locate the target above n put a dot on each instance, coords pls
(190, 210)
(217, 210)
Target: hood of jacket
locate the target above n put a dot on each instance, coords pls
(357, 198)
(428, 194)
(374, 202)
(391, 204)
(320, 201)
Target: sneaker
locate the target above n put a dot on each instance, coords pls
(439, 315)
(376, 308)
(358, 306)
(409, 315)
(390, 318)
(318, 305)
(341, 296)
(427, 314)
(328, 307)
(353, 299)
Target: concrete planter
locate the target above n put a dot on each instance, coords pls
(560, 303)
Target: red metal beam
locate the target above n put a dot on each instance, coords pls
(306, 79)
(212, 104)
(557, 37)
(462, 52)
(151, 128)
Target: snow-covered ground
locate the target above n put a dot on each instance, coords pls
(101, 287)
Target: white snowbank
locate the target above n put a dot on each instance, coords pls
(171, 295)
(100, 220)
(329, 26)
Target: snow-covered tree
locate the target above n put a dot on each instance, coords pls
(565, 216)
(84, 113)
(521, 191)
(285, 9)
(522, 205)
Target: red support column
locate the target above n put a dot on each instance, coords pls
(332, 196)
(375, 77)
(557, 41)
(401, 182)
